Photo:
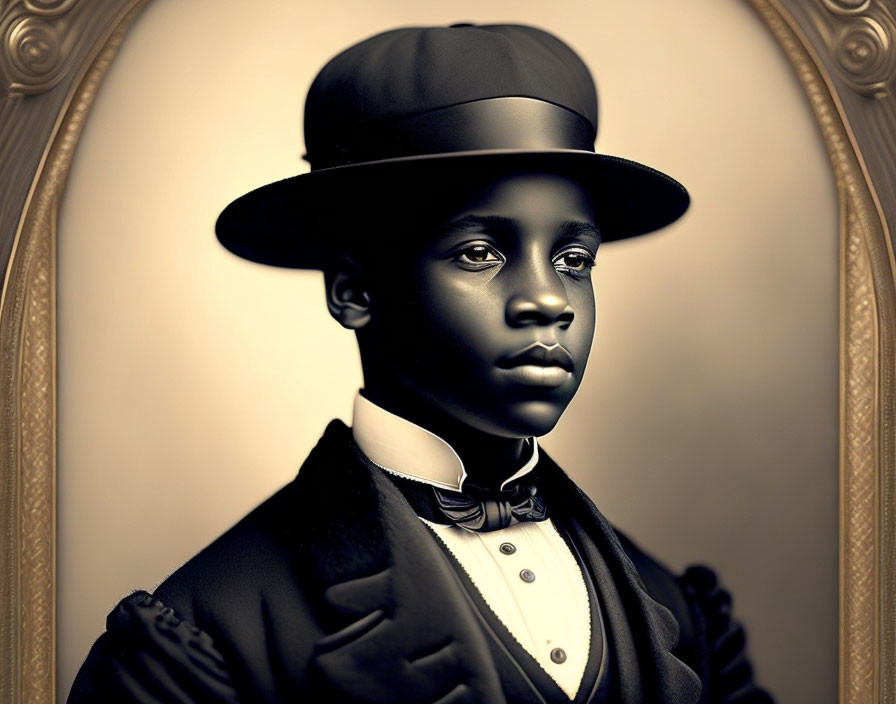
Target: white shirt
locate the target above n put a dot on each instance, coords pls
(525, 573)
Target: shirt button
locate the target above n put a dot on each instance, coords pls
(507, 548)
(558, 655)
(527, 575)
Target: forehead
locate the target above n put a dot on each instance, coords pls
(420, 214)
(545, 206)
(528, 197)
(535, 196)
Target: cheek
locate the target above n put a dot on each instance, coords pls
(581, 298)
(461, 312)
(581, 331)
(428, 334)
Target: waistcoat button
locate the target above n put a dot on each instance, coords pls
(558, 655)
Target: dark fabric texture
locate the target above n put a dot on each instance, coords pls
(352, 600)
(412, 71)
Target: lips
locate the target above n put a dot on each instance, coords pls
(539, 354)
(539, 364)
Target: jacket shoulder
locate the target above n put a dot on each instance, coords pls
(241, 615)
(148, 653)
(666, 588)
(249, 555)
(173, 646)
(710, 640)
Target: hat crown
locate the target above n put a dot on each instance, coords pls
(418, 70)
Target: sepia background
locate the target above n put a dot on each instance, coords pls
(192, 384)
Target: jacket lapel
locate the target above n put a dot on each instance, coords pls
(397, 626)
(654, 629)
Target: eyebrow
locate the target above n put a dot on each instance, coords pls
(500, 225)
(581, 228)
(496, 224)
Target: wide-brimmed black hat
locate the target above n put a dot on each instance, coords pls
(422, 107)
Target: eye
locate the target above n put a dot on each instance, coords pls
(576, 261)
(476, 256)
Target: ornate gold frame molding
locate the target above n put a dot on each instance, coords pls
(53, 55)
(844, 53)
(52, 58)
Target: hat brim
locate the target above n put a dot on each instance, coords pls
(291, 223)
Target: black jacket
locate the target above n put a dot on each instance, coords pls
(334, 591)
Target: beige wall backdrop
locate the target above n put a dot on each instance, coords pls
(192, 384)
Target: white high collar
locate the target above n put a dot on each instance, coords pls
(408, 450)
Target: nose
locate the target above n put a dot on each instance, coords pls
(542, 302)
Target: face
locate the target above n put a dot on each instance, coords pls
(487, 322)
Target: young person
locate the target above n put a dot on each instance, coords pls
(432, 552)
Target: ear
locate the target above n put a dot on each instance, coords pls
(347, 297)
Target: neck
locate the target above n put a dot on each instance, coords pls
(488, 459)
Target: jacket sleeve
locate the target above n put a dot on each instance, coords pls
(728, 675)
(149, 655)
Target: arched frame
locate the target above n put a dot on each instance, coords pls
(53, 55)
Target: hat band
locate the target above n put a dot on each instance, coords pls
(493, 123)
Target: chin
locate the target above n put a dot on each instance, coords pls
(524, 419)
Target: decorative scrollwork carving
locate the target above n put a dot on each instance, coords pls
(35, 44)
(34, 54)
(847, 7)
(49, 7)
(866, 56)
